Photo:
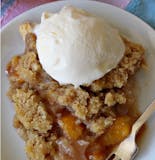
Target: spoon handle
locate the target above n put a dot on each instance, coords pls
(142, 119)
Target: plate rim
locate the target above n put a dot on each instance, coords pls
(79, 1)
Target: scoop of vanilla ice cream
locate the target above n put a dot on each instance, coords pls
(75, 47)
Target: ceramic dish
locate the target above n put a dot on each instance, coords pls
(129, 25)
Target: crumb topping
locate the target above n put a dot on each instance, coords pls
(47, 112)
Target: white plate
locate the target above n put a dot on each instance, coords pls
(137, 30)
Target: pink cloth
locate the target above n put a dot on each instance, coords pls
(19, 6)
(118, 3)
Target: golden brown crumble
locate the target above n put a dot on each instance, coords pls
(98, 126)
(50, 116)
(78, 102)
(25, 28)
(33, 117)
(111, 98)
(38, 148)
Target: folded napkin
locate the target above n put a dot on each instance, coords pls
(145, 9)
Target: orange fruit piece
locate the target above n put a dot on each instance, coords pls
(70, 127)
(118, 131)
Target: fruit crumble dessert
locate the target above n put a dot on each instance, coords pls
(75, 120)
